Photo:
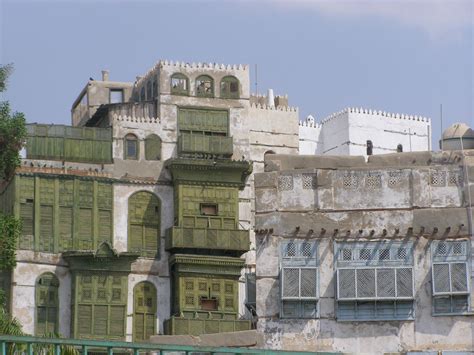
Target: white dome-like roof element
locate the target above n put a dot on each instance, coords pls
(310, 119)
(458, 130)
(454, 134)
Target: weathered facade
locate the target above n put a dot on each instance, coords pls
(366, 256)
(137, 219)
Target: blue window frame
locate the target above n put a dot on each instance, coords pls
(450, 276)
(299, 279)
(375, 281)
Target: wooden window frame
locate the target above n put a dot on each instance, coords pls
(129, 138)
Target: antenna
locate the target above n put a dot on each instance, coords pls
(441, 119)
(256, 80)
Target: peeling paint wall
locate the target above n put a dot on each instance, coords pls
(417, 198)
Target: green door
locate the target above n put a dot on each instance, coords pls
(144, 311)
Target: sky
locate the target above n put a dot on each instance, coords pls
(405, 56)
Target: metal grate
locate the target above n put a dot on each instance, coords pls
(285, 182)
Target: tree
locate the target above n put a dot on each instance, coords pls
(12, 131)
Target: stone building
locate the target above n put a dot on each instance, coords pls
(355, 131)
(366, 256)
(137, 218)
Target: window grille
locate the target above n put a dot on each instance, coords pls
(450, 276)
(309, 181)
(455, 178)
(438, 178)
(373, 181)
(285, 182)
(394, 178)
(374, 280)
(299, 279)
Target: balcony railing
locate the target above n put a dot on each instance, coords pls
(54, 346)
(190, 143)
(203, 238)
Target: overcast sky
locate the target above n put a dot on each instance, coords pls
(396, 56)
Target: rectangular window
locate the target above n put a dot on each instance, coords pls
(299, 279)
(374, 281)
(209, 209)
(450, 275)
(116, 96)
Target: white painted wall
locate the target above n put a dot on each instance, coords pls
(347, 132)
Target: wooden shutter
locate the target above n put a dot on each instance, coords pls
(84, 319)
(144, 223)
(441, 278)
(85, 237)
(144, 311)
(46, 304)
(151, 240)
(346, 283)
(105, 226)
(290, 282)
(65, 228)
(101, 316)
(152, 147)
(27, 220)
(117, 321)
(46, 241)
(459, 277)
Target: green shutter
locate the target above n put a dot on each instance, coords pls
(105, 226)
(47, 304)
(144, 310)
(100, 320)
(84, 319)
(152, 147)
(85, 238)
(46, 240)
(144, 223)
(117, 321)
(27, 220)
(65, 228)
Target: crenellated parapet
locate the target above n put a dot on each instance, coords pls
(273, 108)
(365, 111)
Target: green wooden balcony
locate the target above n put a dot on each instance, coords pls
(203, 238)
(194, 143)
(198, 326)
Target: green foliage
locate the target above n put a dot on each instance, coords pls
(12, 132)
(10, 229)
(48, 349)
(11, 326)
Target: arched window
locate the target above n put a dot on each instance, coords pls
(179, 84)
(399, 148)
(47, 304)
(204, 86)
(152, 147)
(144, 223)
(131, 147)
(144, 311)
(142, 94)
(230, 87)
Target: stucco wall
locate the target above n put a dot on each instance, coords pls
(407, 206)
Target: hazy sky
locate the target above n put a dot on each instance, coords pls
(397, 56)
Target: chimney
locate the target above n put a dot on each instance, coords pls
(270, 98)
(105, 75)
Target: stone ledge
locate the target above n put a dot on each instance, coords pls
(246, 338)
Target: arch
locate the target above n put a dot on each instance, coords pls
(230, 87)
(142, 93)
(152, 147)
(47, 304)
(131, 147)
(205, 86)
(149, 90)
(399, 148)
(179, 84)
(144, 211)
(144, 311)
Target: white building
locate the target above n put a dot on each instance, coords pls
(348, 132)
